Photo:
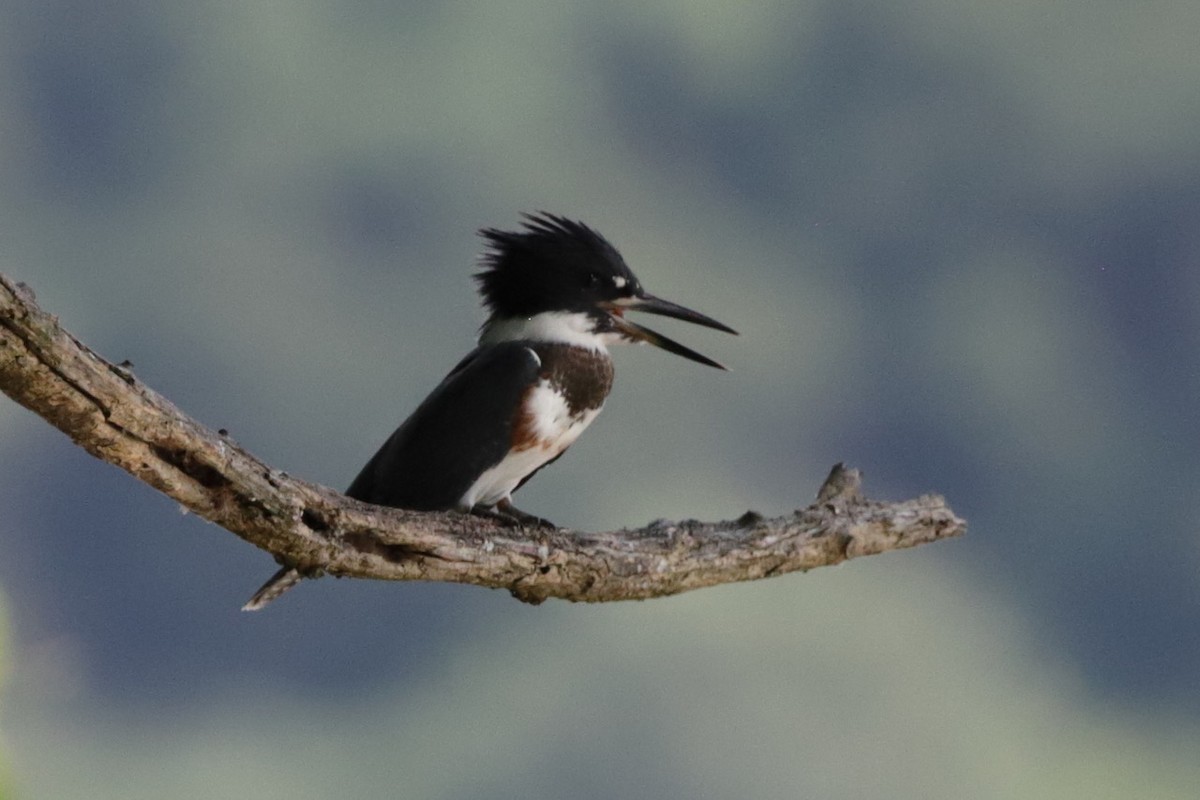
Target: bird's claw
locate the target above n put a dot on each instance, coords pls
(510, 516)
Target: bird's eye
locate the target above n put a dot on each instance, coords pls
(593, 280)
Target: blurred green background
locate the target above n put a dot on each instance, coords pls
(961, 242)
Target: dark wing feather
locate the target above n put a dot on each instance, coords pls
(462, 428)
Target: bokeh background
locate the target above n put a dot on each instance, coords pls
(961, 242)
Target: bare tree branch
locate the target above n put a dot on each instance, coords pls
(107, 411)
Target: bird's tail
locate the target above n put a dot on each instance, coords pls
(277, 584)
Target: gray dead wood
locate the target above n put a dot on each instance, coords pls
(315, 530)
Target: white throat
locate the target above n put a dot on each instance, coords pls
(562, 327)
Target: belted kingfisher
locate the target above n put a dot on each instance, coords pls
(556, 292)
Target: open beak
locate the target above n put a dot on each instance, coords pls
(654, 305)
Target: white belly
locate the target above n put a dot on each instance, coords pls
(554, 429)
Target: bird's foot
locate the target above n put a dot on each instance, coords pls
(509, 515)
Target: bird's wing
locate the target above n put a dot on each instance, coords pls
(461, 429)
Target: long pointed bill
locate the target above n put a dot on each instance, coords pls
(637, 333)
(656, 305)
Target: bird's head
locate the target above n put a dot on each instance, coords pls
(557, 279)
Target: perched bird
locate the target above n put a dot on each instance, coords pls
(556, 293)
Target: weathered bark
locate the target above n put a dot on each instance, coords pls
(107, 411)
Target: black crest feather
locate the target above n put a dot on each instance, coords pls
(551, 263)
